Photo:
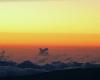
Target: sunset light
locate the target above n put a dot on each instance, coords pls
(69, 22)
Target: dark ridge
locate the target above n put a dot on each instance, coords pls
(70, 74)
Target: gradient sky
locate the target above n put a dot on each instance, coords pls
(48, 22)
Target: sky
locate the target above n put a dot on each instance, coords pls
(26, 25)
(50, 22)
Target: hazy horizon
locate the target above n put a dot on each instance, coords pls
(64, 54)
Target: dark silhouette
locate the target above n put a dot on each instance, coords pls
(42, 56)
(43, 51)
(28, 64)
(3, 56)
(56, 70)
(51, 71)
(7, 63)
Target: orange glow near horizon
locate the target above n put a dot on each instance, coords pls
(49, 39)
